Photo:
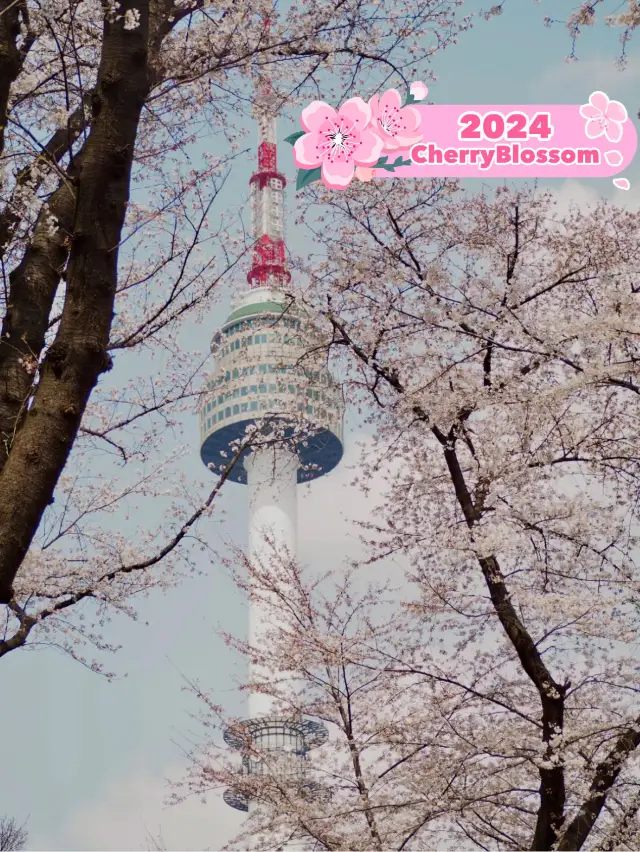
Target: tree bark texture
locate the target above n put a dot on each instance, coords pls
(98, 192)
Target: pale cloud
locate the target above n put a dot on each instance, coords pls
(129, 809)
(586, 194)
(579, 79)
(571, 192)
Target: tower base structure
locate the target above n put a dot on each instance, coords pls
(285, 743)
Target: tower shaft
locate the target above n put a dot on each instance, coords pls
(271, 482)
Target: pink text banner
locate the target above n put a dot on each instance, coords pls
(500, 141)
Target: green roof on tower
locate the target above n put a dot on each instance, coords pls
(259, 308)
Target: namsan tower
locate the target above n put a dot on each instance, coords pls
(262, 374)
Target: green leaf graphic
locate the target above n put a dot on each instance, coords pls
(391, 167)
(410, 100)
(294, 137)
(307, 176)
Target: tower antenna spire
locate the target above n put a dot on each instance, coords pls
(268, 267)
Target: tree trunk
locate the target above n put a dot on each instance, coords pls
(79, 355)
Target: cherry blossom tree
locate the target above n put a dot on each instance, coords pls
(492, 345)
(113, 242)
(624, 17)
(12, 835)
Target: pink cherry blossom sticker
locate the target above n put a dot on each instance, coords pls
(621, 183)
(604, 117)
(337, 141)
(397, 126)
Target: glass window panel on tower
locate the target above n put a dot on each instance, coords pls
(276, 218)
(256, 211)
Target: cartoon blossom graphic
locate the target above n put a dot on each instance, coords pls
(622, 183)
(396, 125)
(336, 146)
(604, 117)
(338, 142)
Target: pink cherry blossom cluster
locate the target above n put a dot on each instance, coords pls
(349, 141)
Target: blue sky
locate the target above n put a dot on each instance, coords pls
(85, 759)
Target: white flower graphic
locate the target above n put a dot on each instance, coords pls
(418, 90)
(604, 117)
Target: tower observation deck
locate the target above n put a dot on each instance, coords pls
(263, 373)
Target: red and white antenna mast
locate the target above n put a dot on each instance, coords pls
(268, 268)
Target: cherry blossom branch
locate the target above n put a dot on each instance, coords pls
(605, 775)
(28, 621)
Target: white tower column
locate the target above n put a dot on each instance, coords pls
(271, 482)
(272, 476)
